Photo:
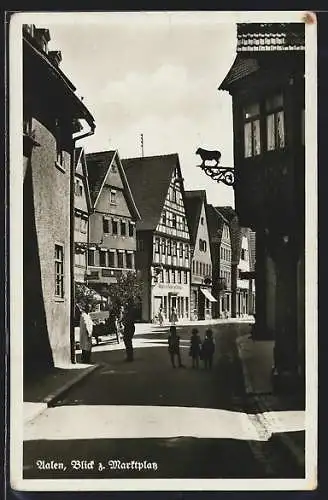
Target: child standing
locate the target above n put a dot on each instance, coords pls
(195, 347)
(208, 349)
(174, 346)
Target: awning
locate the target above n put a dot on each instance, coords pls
(208, 295)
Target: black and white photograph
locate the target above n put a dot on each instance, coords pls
(163, 266)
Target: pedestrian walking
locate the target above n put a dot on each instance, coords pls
(113, 325)
(208, 348)
(160, 317)
(119, 321)
(174, 316)
(195, 347)
(174, 346)
(128, 332)
(86, 329)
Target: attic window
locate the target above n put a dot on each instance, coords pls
(114, 168)
(112, 197)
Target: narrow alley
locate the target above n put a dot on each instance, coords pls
(147, 420)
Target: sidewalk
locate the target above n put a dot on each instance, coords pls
(257, 360)
(40, 394)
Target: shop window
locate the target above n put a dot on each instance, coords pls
(252, 139)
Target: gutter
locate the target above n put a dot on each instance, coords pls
(72, 246)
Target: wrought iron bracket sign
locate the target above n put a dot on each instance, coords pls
(220, 174)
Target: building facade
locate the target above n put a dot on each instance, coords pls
(201, 298)
(219, 236)
(225, 304)
(245, 282)
(112, 223)
(52, 116)
(267, 85)
(163, 239)
(82, 211)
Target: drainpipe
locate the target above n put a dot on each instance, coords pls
(72, 246)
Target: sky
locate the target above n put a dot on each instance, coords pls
(156, 75)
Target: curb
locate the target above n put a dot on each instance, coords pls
(50, 400)
(284, 439)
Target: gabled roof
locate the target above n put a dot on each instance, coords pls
(43, 65)
(235, 231)
(79, 155)
(257, 40)
(193, 204)
(149, 178)
(98, 165)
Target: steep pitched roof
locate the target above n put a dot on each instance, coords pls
(255, 40)
(149, 178)
(98, 165)
(193, 203)
(255, 37)
(79, 155)
(235, 231)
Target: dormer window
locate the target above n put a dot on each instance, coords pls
(252, 138)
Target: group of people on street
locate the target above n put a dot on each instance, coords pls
(122, 324)
(173, 316)
(198, 349)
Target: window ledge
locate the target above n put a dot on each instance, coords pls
(59, 299)
(60, 167)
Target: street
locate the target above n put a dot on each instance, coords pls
(148, 420)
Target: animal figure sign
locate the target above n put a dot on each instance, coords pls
(219, 174)
(207, 155)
